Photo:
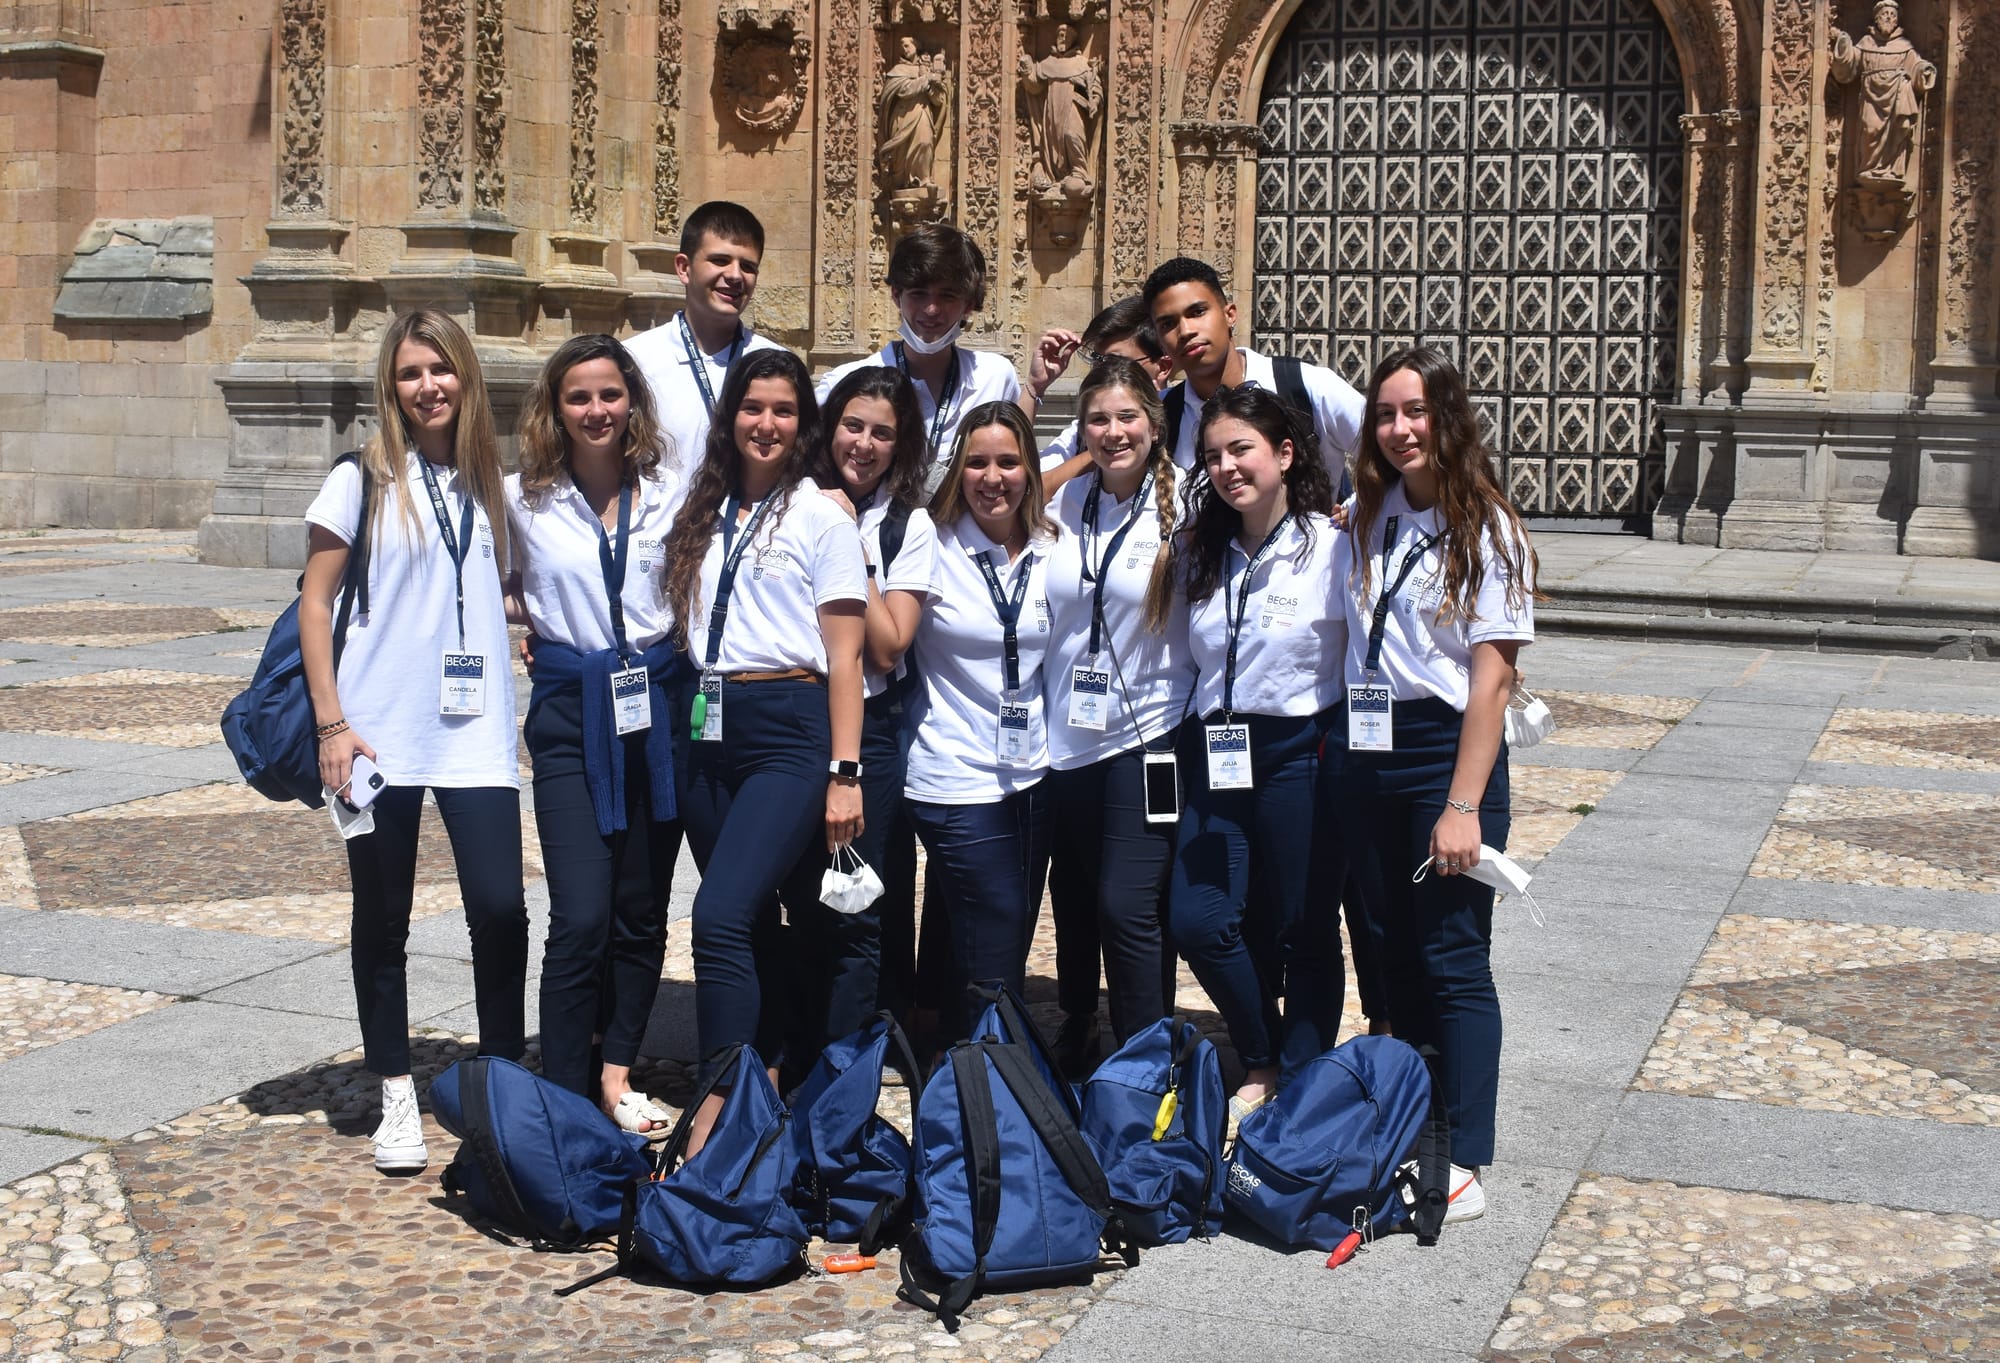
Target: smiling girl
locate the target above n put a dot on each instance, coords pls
(589, 513)
(1437, 583)
(768, 588)
(979, 748)
(1252, 868)
(422, 690)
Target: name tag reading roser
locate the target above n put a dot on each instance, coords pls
(462, 690)
(1369, 711)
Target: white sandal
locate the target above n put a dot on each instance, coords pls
(638, 1113)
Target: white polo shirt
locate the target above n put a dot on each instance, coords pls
(1420, 656)
(1157, 675)
(390, 669)
(982, 377)
(915, 570)
(1294, 627)
(555, 550)
(668, 365)
(954, 718)
(1337, 411)
(809, 557)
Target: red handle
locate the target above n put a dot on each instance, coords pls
(1344, 1251)
(848, 1263)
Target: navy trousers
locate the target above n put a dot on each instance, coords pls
(752, 806)
(1108, 871)
(1252, 899)
(484, 825)
(608, 899)
(989, 864)
(1435, 939)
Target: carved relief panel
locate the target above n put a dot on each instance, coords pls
(763, 63)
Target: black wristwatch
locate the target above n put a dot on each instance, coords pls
(845, 771)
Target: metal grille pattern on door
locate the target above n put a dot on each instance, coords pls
(1500, 179)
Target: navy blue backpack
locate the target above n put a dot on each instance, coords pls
(534, 1157)
(854, 1167)
(269, 726)
(1155, 1112)
(1323, 1158)
(723, 1218)
(1009, 1192)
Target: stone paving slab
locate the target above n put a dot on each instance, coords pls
(24, 1154)
(137, 955)
(1950, 910)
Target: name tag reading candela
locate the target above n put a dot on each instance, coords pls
(462, 686)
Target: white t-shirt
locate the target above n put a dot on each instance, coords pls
(1294, 628)
(1337, 411)
(982, 377)
(915, 569)
(1155, 669)
(555, 549)
(955, 715)
(811, 557)
(392, 667)
(1421, 657)
(1061, 450)
(664, 359)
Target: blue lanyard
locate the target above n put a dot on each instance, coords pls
(614, 568)
(1389, 589)
(1094, 577)
(457, 545)
(699, 361)
(943, 412)
(1009, 612)
(1243, 610)
(725, 581)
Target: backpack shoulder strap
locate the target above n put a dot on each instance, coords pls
(1433, 1190)
(354, 578)
(895, 525)
(1176, 405)
(628, 1218)
(1079, 1168)
(675, 1149)
(1290, 373)
(981, 1129)
(478, 1111)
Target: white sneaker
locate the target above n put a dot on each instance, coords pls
(1467, 1201)
(399, 1140)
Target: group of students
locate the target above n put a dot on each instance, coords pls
(1167, 667)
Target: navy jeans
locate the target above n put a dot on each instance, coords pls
(1435, 939)
(1253, 894)
(608, 900)
(989, 863)
(484, 825)
(753, 805)
(1108, 872)
(888, 842)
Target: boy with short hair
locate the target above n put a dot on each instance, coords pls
(1196, 322)
(686, 359)
(937, 275)
(1123, 329)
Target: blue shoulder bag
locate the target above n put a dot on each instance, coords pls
(1154, 1112)
(854, 1167)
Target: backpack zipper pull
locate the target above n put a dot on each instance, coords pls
(1165, 1117)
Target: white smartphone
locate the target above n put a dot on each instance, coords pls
(364, 783)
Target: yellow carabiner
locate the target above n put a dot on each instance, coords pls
(1165, 1116)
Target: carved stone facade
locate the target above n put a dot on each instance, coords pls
(1827, 373)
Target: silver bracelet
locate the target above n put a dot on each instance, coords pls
(1462, 806)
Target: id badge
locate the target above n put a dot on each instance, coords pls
(1089, 697)
(631, 702)
(462, 690)
(708, 709)
(1228, 756)
(1369, 715)
(1012, 748)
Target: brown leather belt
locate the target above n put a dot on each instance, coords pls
(789, 674)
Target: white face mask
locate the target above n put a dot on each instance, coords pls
(849, 884)
(1500, 871)
(923, 347)
(1529, 719)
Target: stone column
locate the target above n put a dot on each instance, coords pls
(1134, 106)
(580, 294)
(842, 153)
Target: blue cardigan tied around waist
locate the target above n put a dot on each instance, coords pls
(558, 667)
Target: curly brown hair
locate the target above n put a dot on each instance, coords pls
(544, 442)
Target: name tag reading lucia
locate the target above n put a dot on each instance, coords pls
(462, 689)
(1369, 716)
(1012, 748)
(1089, 697)
(631, 702)
(1228, 756)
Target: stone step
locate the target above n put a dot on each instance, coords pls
(1769, 629)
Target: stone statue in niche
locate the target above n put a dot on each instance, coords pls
(763, 55)
(1063, 96)
(1885, 130)
(915, 93)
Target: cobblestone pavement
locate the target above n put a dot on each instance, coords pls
(166, 932)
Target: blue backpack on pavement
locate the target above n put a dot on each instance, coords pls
(723, 1218)
(538, 1159)
(854, 1167)
(1154, 1112)
(1322, 1159)
(268, 727)
(1010, 1193)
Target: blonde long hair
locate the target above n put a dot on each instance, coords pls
(475, 448)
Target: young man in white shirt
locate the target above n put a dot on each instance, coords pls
(937, 275)
(1196, 323)
(686, 359)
